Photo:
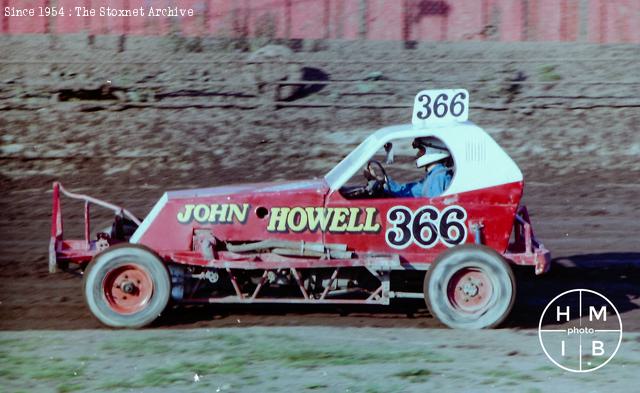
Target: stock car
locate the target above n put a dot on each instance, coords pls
(325, 240)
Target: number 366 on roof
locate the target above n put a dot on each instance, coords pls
(432, 107)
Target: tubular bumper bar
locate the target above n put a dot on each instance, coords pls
(61, 250)
(526, 249)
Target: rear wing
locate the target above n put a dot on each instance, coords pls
(62, 251)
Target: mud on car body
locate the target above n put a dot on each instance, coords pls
(323, 240)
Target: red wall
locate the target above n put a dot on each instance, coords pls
(605, 21)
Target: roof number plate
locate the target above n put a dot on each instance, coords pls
(440, 106)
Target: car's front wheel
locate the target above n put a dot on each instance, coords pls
(127, 286)
(470, 287)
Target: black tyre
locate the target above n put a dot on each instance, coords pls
(126, 286)
(470, 287)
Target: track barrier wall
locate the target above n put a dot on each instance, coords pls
(594, 21)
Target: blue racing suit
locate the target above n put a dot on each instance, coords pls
(434, 183)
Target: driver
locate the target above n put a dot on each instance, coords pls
(432, 156)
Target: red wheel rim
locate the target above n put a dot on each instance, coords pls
(127, 289)
(470, 290)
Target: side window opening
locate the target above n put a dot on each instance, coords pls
(406, 179)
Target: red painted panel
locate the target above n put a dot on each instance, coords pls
(102, 24)
(550, 20)
(167, 233)
(465, 20)
(349, 18)
(570, 24)
(362, 224)
(634, 27)
(429, 20)
(222, 14)
(267, 18)
(511, 22)
(494, 208)
(309, 19)
(384, 20)
(598, 20)
(25, 24)
(335, 19)
(553, 20)
(621, 16)
(193, 25)
(136, 24)
(159, 25)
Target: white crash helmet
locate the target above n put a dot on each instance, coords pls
(429, 158)
(434, 151)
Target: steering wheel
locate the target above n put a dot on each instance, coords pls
(376, 179)
(378, 174)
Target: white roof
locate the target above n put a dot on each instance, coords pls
(480, 162)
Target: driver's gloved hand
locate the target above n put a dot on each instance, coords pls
(371, 187)
(367, 175)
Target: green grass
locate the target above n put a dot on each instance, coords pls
(627, 362)
(296, 356)
(316, 386)
(231, 353)
(547, 368)
(65, 374)
(86, 358)
(509, 374)
(415, 375)
(228, 365)
(137, 347)
(388, 388)
(38, 368)
(177, 373)
(69, 387)
(547, 73)
(250, 380)
(256, 352)
(595, 361)
(166, 376)
(280, 336)
(293, 352)
(352, 376)
(239, 358)
(27, 345)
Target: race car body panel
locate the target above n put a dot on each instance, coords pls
(418, 229)
(231, 213)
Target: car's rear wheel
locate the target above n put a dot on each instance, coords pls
(127, 286)
(470, 287)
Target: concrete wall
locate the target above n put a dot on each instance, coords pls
(600, 21)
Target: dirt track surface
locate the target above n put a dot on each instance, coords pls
(568, 115)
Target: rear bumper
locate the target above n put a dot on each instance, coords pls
(61, 251)
(540, 258)
(526, 249)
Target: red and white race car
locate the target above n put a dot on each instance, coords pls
(322, 240)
